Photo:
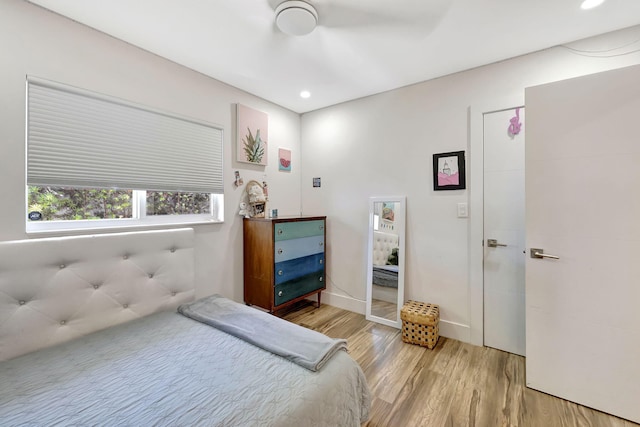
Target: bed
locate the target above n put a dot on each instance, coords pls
(89, 335)
(384, 274)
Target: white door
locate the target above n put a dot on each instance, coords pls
(583, 205)
(504, 223)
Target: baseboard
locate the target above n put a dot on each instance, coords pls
(448, 329)
(456, 331)
(344, 302)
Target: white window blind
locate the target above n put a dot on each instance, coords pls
(77, 138)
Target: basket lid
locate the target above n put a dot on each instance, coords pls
(420, 312)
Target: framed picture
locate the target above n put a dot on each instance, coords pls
(284, 160)
(252, 135)
(448, 171)
(387, 216)
(388, 211)
(259, 210)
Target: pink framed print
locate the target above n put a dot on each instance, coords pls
(252, 135)
(284, 160)
(449, 171)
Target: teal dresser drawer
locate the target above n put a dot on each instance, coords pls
(298, 248)
(298, 229)
(298, 287)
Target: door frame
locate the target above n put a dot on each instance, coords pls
(476, 208)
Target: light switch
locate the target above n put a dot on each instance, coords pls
(463, 210)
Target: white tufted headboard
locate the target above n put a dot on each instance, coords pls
(56, 289)
(383, 243)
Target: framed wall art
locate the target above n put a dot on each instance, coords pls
(252, 135)
(449, 171)
(284, 160)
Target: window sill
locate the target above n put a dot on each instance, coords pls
(61, 228)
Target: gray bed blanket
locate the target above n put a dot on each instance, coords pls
(307, 348)
(385, 275)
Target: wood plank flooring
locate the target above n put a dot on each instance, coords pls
(455, 384)
(384, 309)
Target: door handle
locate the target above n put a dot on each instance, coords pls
(493, 243)
(539, 254)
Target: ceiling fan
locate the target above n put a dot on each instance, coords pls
(300, 17)
(296, 18)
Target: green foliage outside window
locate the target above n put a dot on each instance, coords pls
(59, 204)
(174, 203)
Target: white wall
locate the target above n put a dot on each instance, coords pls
(383, 145)
(36, 42)
(380, 145)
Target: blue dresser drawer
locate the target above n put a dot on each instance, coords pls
(297, 248)
(298, 229)
(298, 267)
(298, 287)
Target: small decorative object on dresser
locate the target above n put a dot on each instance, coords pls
(257, 199)
(284, 260)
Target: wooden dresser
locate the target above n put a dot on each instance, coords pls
(284, 260)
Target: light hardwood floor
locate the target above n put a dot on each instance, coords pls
(455, 384)
(384, 309)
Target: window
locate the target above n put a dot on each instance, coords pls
(177, 203)
(70, 204)
(94, 161)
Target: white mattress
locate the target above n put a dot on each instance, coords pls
(166, 369)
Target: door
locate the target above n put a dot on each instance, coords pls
(583, 205)
(504, 223)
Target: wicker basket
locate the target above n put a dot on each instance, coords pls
(420, 323)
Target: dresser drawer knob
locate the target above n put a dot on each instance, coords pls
(321, 261)
(279, 272)
(321, 243)
(280, 293)
(322, 227)
(320, 278)
(280, 231)
(279, 251)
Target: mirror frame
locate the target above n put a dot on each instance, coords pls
(401, 265)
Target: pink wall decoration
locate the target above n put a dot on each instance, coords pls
(515, 126)
(284, 160)
(449, 171)
(252, 135)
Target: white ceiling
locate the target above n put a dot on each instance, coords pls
(360, 47)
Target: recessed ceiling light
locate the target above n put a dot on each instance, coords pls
(590, 4)
(305, 94)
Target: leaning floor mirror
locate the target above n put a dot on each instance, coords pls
(385, 267)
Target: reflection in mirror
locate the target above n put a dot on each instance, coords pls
(385, 270)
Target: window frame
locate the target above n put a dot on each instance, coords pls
(139, 218)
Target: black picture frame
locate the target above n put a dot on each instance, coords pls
(259, 210)
(451, 162)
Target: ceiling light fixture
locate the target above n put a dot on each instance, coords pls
(590, 4)
(305, 94)
(296, 18)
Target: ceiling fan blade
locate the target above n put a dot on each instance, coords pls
(411, 15)
(341, 16)
(354, 14)
(274, 3)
